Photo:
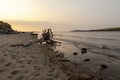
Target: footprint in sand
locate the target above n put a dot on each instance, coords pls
(24, 56)
(13, 56)
(29, 61)
(14, 72)
(50, 75)
(5, 55)
(49, 78)
(20, 78)
(20, 61)
(8, 64)
(10, 77)
(36, 68)
(2, 70)
(2, 60)
(22, 66)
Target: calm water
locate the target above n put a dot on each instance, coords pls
(95, 41)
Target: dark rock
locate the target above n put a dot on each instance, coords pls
(84, 50)
(87, 60)
(75, 53)
(23, 32)
(103, 47)
(103, 66)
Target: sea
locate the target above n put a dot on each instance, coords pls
(93, 40)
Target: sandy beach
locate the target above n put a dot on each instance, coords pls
(59, 40)
(24, 62)
(23, 59)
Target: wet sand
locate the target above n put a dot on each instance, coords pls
(23, 59)
(106, 65)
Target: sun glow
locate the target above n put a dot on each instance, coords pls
(26, 28)
(62, 14)
(17, 10)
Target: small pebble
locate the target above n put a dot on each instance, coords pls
(14, 72)
(75, 53)
(84, 50)
(103, 66)
(87, 60)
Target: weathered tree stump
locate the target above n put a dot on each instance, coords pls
(47, 36)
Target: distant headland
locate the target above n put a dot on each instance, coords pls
(105, 29)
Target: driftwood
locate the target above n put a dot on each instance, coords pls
(22, 44)
(47, 36)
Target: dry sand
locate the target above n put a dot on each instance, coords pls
(23, 59)
(24, 62)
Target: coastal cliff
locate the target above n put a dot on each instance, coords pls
(5, 28)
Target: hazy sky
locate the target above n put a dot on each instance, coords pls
(60, 14)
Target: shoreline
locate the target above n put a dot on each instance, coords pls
(93, 60)
(27, 60)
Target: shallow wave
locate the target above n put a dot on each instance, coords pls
(91, 44)
(111, 52)
(86, 37)
(96, 42)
